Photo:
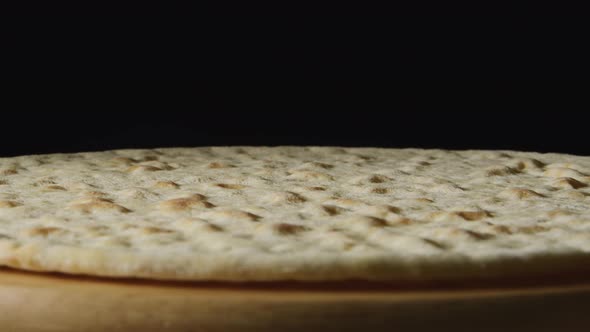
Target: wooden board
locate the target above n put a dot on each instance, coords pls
(49, 302)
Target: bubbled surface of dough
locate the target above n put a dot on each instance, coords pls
(302, 213)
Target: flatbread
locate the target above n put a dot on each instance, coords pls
(296, 213)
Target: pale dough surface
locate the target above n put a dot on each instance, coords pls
(296, 213)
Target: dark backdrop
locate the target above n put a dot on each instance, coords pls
(444, 114)
(391, 40)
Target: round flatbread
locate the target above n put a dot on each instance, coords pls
(296, 213)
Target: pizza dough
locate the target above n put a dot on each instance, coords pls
(296, 213)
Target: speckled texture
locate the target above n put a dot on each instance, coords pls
(303, 213)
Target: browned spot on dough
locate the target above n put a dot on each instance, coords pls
(501, 171)
(55, 188)
(379, 178)
(478, 235)
(349, 245)
(8, 204)
(157, 164)
(569, 183)
(5, 237)
(238, 214)
(529, 163)
(423, 200)
(316, 188)
(181, 204)
(331, 209)
(2, 182)
(435, 243)
(289, 229)
(377, 222)
(243, 236)
(156, 230)
(94, 194)
(198, 196)
(459, 215)
(403, 221)
(292, 197)
(216, 164)
(473, 215)
(166, 184)
(520, 193)
(315, 164)
(123, 160)
(392, 209)
(502, 229)
(520, 166)
(99, 204)
(42, 231)
(379, 190)
(230, 186)
(97, 199)
(97, 228)
(150, 158)
(365, 157)
(532, 229)
(323, 165)
(214, 228)
(8, 172)
(43, 182)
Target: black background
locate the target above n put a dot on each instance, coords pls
(548, 117)
(409, 40)
(454, 76)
